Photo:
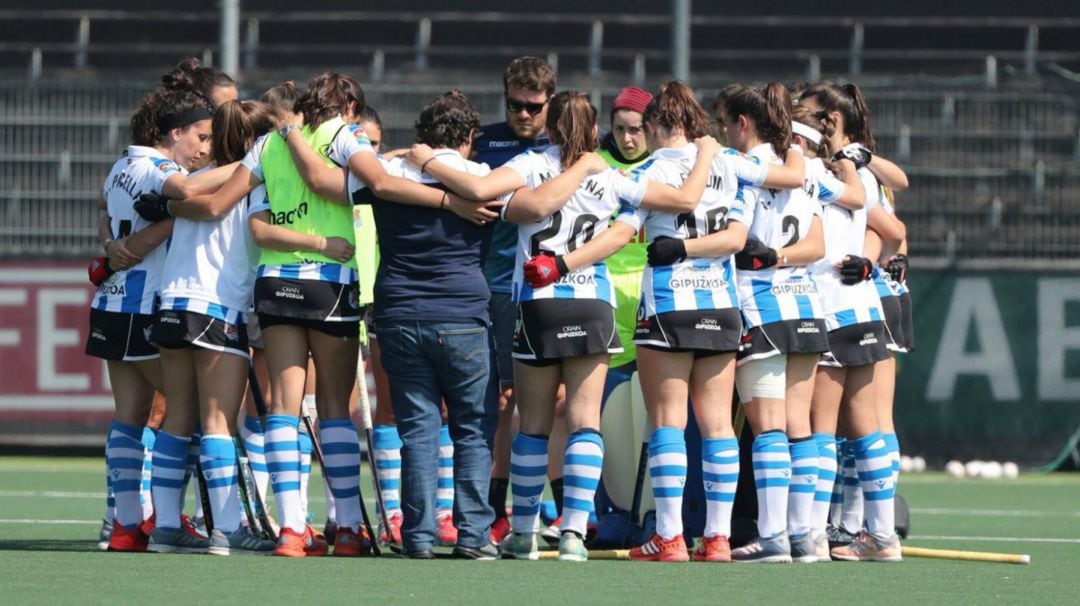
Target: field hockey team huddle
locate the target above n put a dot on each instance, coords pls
(515, 264)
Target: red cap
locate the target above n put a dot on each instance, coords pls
(632, 98)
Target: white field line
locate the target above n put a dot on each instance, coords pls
(1004, 513)
(57, 494)
(935, 537)
(48, 522)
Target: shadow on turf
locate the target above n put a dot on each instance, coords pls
(40, 545)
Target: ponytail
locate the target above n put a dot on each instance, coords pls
(282, 98)
(821, 122)
(769, 109)
(235, 127)
(190, 75)
(329, 95)
(861, 129)
(571, 124)
(676, 107)
(849, 101)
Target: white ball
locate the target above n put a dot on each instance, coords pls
(1010, 470)
(918, 464)
(991, 471)
(905, 463)
(972, 468)
(955, 469)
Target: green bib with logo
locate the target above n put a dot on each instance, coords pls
(630, 258)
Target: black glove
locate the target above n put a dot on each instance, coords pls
(897, 266)
(665, 251)
(855, 269)
(755, 255)
(153, 207)
(856, 152)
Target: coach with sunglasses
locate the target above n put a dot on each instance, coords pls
(528, 84)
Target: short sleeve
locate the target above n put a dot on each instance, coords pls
(746, 200)
(872, 188)
(627, 191)
(830, 189)
(634, 217)
(164, 168)
(253, 160)
(352, 139)
(258, 201)
(748, 169)
(522, 164)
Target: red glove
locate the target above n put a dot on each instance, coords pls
(99, 270)
(544, 268)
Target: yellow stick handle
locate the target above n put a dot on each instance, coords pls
(975, 556)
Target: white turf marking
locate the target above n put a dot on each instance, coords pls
(49, 522)
(1005, 513)
(52, 494)
(933, 537)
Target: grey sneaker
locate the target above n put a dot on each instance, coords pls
(867, 548)
(104, 534)
(776, 550)
(176, 540)
(821, 547)
(838, 537)
(552, 534)
(803, 548)
(572, 548)
(520, 546)
(241, 542)
(487, 551)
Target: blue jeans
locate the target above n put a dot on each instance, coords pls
(428, 363)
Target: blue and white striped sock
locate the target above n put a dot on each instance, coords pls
(149, 436)
(124, 457)
(581, 475)
(341, 452)
(667, 468)
(110, 498)
(851, 509)
(720, 472)
(167, 480)
(217, 453)
(444, 494)
(826, 479)
(875, 475)
(255, 445)
(528, 472)
(303, 443)
(804, 472)
(283, 461)
(387, 446)
(772, 476)
(893, 444)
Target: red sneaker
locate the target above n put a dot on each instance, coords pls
(445, 531)
(395, 529)
(291, 544)
(128, 539)
(657, 549)
(349, 543)
(189, 526)
(713, 549)
(499, 529)
(316, 545)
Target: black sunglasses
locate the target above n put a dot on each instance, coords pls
(514, 106)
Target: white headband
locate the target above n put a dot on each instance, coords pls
(807, 132)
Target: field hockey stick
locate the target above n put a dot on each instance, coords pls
(369, 436)
(639, 481)
(267, 523)
(244, 487)
(204, 497)
(316, 449)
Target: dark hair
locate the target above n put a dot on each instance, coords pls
(676, 107)
(190, 75)
(820, 121)
(152, 116)
(571, 124)
(530, 73)
(370, 115)
(769, 109)
(328, 95)
(720, 102)
(281, 99)
(849, 101)
(448, 121)
(236, 126)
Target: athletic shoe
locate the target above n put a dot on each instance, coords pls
(419, 554)
(104, 534)
(298, 545)
(499, 529)
(484, 552)
(821, 548)
(177, 540)
(713, 549)
(776, 550)
(316, 545)
(127, 539)
(867, 548)
(352, 544)
(445, 531)
(395, 529)
(803, 548)
(240, 542)
(572, 548)
(657, 549)
(520, 546)
(196, 527)
(552, 534)
(329, 531)
(838, 537)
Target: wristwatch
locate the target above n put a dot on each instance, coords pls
(285, 130)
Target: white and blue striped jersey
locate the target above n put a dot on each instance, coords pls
(210, 267)
(351, 139)
(845, 234)
(701, 282)
(142, 170)
(782, 218)
(883, 280)
(584, 216)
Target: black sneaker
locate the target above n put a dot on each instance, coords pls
(484, 552)
(419, 554)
